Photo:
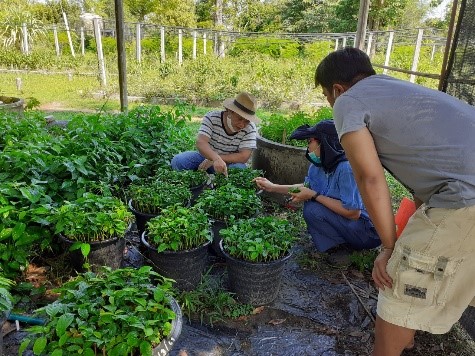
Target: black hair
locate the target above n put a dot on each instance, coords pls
(345, 66)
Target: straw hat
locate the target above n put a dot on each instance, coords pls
(244, 104)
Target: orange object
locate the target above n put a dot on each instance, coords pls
(404, 212)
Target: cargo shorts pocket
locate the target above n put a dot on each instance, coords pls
(421, 279)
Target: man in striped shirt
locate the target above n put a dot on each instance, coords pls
(225, 138)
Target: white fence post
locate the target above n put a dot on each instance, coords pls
(194, 44)
(180, 46)
(24, 31)
(162, 44)
(343, 45)
(370, 42)
(417, 51)
(69, 34)
(100, 55)
(336, 44)
(138, 44)
(56, 42)
(388, 51)
(432, 53)
(82, 41)
(204, 43)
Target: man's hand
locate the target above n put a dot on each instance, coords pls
(220, 166)
(205, 165)
(380, 275)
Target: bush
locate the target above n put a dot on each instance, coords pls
(274, 47)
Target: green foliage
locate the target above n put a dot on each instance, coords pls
(278, 128)
(121, 312)
(363, 260)
(6, 300)
(152, 196)
(211, 301)
(178, 229)
(261, 239)
(242, 178)
(187, 178)
(92, 218)
(273, 47)
(228, 201)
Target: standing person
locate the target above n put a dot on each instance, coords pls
(225, 138)
(425, 138)
(333, 209)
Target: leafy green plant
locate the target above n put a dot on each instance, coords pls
(259, 239)
(228, 201)
(211, 302)
(278, 128)
(92, 218)
(363, 260)
(178, 228)
(151, 196)
(6, 301)
(187, 178)
(121, 312)
(238, 177)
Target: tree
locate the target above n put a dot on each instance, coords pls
(307, 15)
(174, 13)
(141, 8)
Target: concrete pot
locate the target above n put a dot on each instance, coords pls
(282, 164)
(11, 105)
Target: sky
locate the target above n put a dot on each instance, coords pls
(439, 11)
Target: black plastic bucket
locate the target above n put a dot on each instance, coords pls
(166, 345)
(255, 283)
(195, 192)
(185, 267)
(103, 253)
(216, 226)
(140, 218)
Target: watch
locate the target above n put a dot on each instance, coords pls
(314, 198)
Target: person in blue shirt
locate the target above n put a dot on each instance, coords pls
(333, 208)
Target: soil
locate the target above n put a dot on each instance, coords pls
(320, 310)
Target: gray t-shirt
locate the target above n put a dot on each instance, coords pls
(424, 137)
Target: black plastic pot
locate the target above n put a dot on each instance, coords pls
(103, 253)
(255, 283)
(185, 267)
(196, 191)
(216, 226)
(166, 345)
(140, 218)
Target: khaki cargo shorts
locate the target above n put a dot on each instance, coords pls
(433, 271)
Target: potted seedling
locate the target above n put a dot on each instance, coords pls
(148, 197)
(194, 180)
(177, 241)
(256, 251)
(93, 228)
(225, 204)
(121, 312)
(283, 159)
(242, 178)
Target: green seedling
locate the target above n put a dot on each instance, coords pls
(294, 190)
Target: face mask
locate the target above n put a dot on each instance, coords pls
(313, 158)
(229, 124)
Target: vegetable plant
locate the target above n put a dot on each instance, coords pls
(92, 218)
(151, 196)
(241, 178)
(228, 201)
(187, 178)
(121, 312)
(179, 228)
(261, 239)
(6, 302)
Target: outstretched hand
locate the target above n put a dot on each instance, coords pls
(380, 275)
(304, 194)
(263, 183)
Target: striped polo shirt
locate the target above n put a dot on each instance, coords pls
(221, 142)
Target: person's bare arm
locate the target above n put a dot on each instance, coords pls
(238, 157)
(369, 175)
(268, 186)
